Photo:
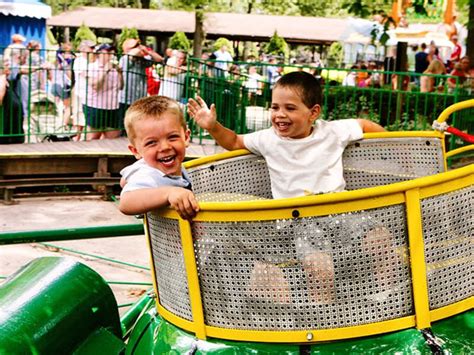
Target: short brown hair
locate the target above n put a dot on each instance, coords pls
(151, 107)
(305, 84)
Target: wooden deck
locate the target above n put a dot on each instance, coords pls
(102, 146)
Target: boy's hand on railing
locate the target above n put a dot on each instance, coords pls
(199, 111)
(184, 202)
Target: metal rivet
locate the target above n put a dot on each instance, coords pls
(212, 167)
(309, 336)
(295, 213)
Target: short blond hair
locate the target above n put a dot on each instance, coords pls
(151, 107)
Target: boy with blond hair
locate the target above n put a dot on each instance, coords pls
(158, 138)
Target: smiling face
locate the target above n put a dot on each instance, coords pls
(161, 142)
(291, 118)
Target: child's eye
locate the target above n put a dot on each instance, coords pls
(149, 143)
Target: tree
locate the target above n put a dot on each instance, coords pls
(222, 41)
(277, 46)
(82, 34)
(179, 41)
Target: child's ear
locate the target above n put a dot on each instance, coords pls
(187, 137)
(315, 112)
(134, 151)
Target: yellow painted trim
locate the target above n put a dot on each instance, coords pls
(193, 279)
(304, 211)
(453, 108)
(452, 309)
(404, 134)
(301, 336)
(152, 262)
(417, 259)
(448, 186)
(332, 198)
(443, 151)
(460, 150)
(287, 213)
(175, 320)
(216, 157)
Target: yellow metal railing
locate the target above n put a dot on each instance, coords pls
(409, 193)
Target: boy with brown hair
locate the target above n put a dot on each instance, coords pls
(304, 155)
(158, 138)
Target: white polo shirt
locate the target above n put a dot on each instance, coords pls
(313, 163)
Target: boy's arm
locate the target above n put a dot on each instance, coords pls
(207, 119)
(369, 126)
(145, 200)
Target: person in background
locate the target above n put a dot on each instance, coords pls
(79, 94)
(15, 50)
(429, 83)
(172, 84)
(455, 54)
(223, 60)
(351, 77)
(104, 81)
(135, 60)
(62, 81)
(421, 61)
(11, 112)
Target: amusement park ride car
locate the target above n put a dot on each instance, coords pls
(235, 280)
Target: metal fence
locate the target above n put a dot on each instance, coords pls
(60, 95)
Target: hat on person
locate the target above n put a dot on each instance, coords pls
(18, 38)
(87, 43)
(104, 47)
(130, 43)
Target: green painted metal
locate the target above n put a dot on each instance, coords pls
(75, 251)
(153, 335)
(130, 317)
(49, 235)
(52, 306)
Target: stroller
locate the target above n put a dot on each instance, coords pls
(45, 122)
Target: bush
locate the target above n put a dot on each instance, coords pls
(222, 41)
(277, 46)
(83, 33)
(179, 41)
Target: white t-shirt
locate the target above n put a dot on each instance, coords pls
(310, 164)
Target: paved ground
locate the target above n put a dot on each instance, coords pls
(74, 212)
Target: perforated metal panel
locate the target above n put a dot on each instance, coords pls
(246, 175)
(169, 265)
(308, 273)
(375, 162)
(448, 229)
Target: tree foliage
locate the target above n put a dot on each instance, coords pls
(179, 41)
(222, 41)
(82, 34)
(277, 46)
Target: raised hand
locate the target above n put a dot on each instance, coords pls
(199, 111)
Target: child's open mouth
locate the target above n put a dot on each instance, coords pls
(282, 125)
(167, 161)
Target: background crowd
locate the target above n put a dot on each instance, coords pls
(90, 88)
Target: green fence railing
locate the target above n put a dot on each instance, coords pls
(82, 97)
